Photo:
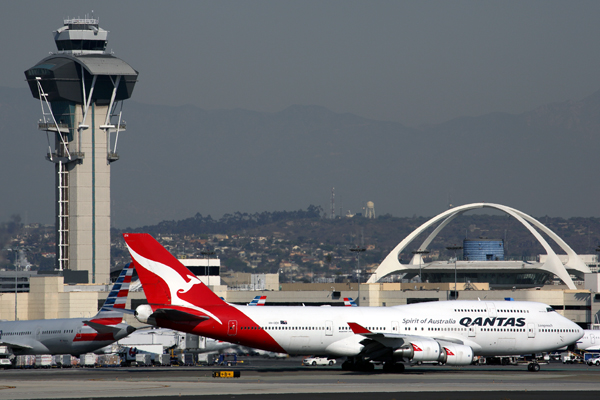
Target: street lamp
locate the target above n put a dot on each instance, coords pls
(16, 251)
(455, 247)
(207, 254)
(420, 253)
(358, 250)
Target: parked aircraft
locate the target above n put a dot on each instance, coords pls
(72, 335)
(590, 341)
(450, 332)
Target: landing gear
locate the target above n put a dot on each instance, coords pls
(350, 365)
(393, 367)
(533, 367)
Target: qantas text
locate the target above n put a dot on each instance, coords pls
(500, 321)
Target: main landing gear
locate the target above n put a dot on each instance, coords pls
(393, 367)
(533, 366)
(351, 365)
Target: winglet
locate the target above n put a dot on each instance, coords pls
(358, 329)
(258, 301)
(348, 302)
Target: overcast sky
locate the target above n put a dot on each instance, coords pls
(413, 62)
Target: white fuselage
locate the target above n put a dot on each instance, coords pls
(590, 340)
(55, 336)
(488, 327)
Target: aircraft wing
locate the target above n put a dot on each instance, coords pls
(376, 342)
(177, 315)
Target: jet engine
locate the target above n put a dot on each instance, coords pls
(458, 354)
(431, 350)
(421, 350)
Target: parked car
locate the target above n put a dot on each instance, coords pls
(594, 361)
(318, 361)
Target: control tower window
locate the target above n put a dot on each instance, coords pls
(64, 45)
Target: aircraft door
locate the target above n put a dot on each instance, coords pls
(531, 330)
(592, 336)
(394, 326)
(328, 328)
(232, 328)
(472, 331)
(38, 334)
(491, 309)
(78, 332)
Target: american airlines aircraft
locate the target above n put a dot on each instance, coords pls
(72, 335)
(450, 332)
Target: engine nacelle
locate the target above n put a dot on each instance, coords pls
(421, 350)
(458, 354)
(144, 313)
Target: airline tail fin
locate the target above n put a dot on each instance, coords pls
(108, 314)
(348, 302)
(164, 279)
(258, 301)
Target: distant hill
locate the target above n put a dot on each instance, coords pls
(177, 161)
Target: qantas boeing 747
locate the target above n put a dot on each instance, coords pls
(450, 332)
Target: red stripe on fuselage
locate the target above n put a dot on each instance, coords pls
(93, 337)
(107, 321)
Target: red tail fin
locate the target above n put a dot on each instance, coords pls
(164, 279)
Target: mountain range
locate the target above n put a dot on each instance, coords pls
(177, 161)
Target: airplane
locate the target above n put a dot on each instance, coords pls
(73, 336)
(590, 341)
(258, 301)
(450, 332)
(348, 302)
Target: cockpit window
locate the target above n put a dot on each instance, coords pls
(550, 309)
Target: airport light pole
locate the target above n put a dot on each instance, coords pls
(358, 250)
(420, 253)
(455, 247)
(16, 251)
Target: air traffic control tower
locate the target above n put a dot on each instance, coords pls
(81, 89)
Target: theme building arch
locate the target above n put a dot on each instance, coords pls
(391, 263)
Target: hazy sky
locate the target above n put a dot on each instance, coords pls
(414, 62)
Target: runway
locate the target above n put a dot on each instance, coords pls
(278, 379)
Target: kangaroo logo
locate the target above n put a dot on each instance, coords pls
(177, 284)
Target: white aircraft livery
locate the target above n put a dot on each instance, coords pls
(450, 332)
(590, 341)
(72, 335)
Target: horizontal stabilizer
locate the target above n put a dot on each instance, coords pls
(15, 345)
(177, 315)
(119, 310)
(102, 328)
